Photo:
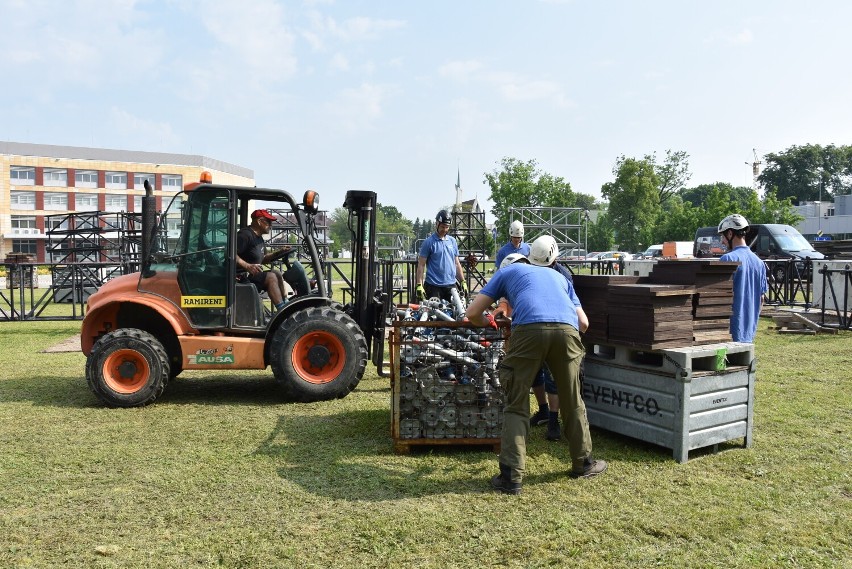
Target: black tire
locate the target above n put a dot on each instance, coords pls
(318, 354)
(127, 368)
(779, 273)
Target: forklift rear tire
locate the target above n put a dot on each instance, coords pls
(318, 354)
(127, 368)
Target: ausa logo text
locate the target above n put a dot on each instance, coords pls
(212, 356)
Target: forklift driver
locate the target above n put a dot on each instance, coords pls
(251, 254)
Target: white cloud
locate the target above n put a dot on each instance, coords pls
(460, 70)
(79, 43)
(325, 28)
(339, 62)
(743, 37)
(160, 134)
(357, 109)
(468, 119)
(256, 35)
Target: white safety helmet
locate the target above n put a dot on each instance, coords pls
(516, 229)
(543, 251)
(734, 221)
(513, 258)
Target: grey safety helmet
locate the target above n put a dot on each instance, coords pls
(444, 217)
(513, 258)
(543, 251)
(734, 221)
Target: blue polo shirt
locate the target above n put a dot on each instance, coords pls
(508, 249)
(749, 286)
(536, 294)
(440, 257)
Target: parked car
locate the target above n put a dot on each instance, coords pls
(574, 254)
(653, 252)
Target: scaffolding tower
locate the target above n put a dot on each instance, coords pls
(472, 238)
(567, 225)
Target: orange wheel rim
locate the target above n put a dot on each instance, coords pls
(318, 357)
(126, 371)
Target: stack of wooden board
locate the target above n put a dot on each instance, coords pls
(713, 282)
(650, 316)
(593, 291)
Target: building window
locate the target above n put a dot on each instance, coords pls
(172, 182)
(139, 180)
(55, 177)
(22, 200)
(22, 175)
(24, 246)
(56, 201)
(86, 179)
(137, 203)
(115, 202)
(116, 180)
(56, 222)
(24, 225)
(86, 202)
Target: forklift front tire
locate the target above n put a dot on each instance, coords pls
(127, 368)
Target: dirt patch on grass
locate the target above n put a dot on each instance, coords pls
(72, 344)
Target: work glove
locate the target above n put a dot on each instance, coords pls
(420, 293)
(490, 318)
(464, 287)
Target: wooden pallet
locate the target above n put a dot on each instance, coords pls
(795, 323)
(404, 446)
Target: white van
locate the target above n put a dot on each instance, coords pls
(653, 252)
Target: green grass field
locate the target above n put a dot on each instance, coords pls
(220, 472)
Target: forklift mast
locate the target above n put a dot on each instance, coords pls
(362, 222)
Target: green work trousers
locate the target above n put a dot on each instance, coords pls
(530, 346)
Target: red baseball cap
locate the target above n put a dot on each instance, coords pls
(263, 214)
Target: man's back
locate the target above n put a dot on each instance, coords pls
(749, 287)
(536, 294)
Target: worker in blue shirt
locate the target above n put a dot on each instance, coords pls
(439, 259)
(516, 244)
(749, 279)
(547, 319)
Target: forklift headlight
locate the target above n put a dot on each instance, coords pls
(311, 202)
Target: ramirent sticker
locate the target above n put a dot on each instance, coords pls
(202, 302)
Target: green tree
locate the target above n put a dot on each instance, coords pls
(338, 231)
(521, 184)
(810, 172)
(634, 201)
(699, 195)
(600, 235)
(673, 173)
(677, 221)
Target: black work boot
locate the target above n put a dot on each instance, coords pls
(554, 431)
(590, 468)
(540, 417)
(503, 481)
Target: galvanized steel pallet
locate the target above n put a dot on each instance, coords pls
(444, 385)
(675, 397)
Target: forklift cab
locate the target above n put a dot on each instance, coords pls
(195, 255)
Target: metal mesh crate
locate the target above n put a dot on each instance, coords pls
(445, 386)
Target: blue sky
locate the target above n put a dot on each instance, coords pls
(395, 96)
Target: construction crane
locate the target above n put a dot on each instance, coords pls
(755, 171)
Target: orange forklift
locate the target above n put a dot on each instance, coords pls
(188, 309)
